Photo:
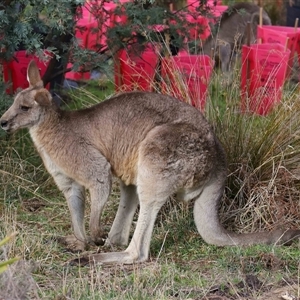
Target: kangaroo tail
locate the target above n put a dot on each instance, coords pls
(209, 227)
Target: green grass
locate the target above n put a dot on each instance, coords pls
(91, 93)
(261, 194)
(181, 265)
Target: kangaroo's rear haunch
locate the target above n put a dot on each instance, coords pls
(156, 145)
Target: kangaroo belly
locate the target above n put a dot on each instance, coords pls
(127, 170)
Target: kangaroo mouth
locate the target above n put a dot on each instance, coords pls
(8, 130)
(7, 127)
(4, 126)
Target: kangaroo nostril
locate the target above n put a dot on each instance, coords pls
(3, 123)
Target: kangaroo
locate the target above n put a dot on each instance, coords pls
(232, 32)
(155, 144)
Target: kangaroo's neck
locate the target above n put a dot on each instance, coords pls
(49, 128)
(59, 131)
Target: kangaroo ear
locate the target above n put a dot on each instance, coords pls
(43, 97)
(33, 75)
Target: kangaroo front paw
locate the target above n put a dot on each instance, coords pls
(81, 261)
(72, 244)
(98, 239)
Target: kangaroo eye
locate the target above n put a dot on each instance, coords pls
(24, 108)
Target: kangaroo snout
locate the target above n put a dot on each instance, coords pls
(4, 124)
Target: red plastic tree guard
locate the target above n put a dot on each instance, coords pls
(264, 69)
(106, 18)
(285, 36)
(186, 77)
(297, 46)
(15, 71)
(89, 33)
(134, 70)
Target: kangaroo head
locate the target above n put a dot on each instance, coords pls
(29, 105)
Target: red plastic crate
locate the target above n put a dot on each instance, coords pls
(15, 71)
(136, 71)
(264, 69)
(104, 13)
(90, 35)
(186, 77)
(285, 36)
(77, 76)
(87, 39)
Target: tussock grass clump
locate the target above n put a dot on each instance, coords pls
(17, 283)
(263, 154)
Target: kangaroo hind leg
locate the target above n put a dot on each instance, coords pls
(151, 200)
(120, 230)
